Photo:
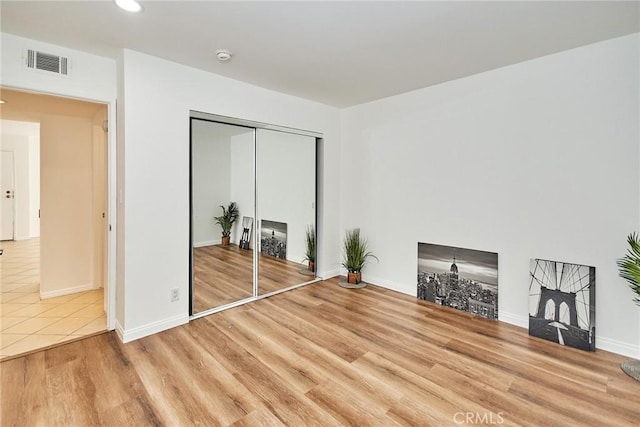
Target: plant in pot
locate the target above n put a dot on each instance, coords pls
(226, 220)
(310, 248)
(355, 255)
(629, 268)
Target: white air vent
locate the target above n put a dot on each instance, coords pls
(47, 62)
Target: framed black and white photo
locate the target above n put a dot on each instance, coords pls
(273, 238)
(247, 226)
(562, 303)
(464, 279)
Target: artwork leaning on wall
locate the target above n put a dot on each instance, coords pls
(460, 278)
(562, 303)
(273, 238)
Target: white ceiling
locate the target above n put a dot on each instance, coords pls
(338, 53)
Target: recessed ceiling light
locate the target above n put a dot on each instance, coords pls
(129, 5)
(223, 55)
(2, 101)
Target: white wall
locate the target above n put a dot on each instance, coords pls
(66, 245)
(242, 182)
(211, 180)
(286, 185)
(534, 160)
(93, 78)
(158, 96)
(21, 138)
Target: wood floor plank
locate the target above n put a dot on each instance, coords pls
(260, 417)
(571, 405)
(25, 399)
(321, 355)
(284, 401)
(337, 343)
(506, 405)
(348, 406)
(286, 363)
(224, 274)
(326, 365)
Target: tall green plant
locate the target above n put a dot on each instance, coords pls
(228, 217)
(310, 247)
(629, 265)
(355, 251)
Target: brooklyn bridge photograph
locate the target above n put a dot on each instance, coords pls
(562, 303)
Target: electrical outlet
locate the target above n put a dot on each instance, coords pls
(175, 294)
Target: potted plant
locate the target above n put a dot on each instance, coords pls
(355, 255)
(629, 268)
(226, 220)
(310, 247)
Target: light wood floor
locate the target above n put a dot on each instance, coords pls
(322, 355)
(224, 274)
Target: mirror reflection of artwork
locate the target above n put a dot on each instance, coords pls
(247, 225)
(273, 238)
(460, 278)
(562, 303)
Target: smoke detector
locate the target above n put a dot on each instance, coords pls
(223, 55)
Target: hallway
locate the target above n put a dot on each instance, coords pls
(29, 323)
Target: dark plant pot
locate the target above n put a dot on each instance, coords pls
(226, 240)
(312, 266)
(354, 278)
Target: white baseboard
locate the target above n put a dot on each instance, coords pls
(602, 343)
(66, 291)
(325, 275)
(391, 285)
(206, 243)
(151, 328)
(513, 319)
(618, 347)
(120, 331)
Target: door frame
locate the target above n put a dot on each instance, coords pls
(13, 177)
(215, 118)
(110, 192)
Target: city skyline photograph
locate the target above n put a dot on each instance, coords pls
(480, 266)
(273, 238)
(460, 278)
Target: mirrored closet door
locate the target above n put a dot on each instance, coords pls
(286, 191)
(222, 174)
(253, 211)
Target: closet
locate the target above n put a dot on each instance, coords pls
(269, 173)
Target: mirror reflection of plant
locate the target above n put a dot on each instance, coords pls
(355, 251)
(228, 217)
(629, 265)
(310, 247)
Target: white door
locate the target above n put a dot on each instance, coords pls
(8, 200)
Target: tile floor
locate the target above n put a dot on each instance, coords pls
(28, 323)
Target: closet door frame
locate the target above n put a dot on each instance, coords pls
(199, 115)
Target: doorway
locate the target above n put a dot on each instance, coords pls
(55, 271)
(7, 180)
